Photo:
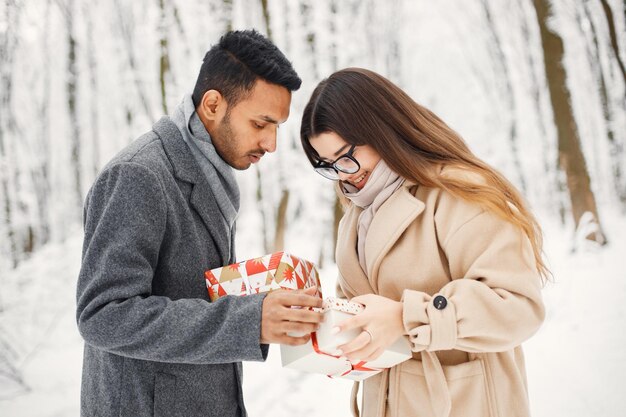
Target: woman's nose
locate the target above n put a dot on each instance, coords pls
(343, 176)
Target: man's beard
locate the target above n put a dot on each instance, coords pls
(227, 142)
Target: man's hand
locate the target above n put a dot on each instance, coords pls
(278, 318)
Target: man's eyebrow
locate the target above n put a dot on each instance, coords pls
(268, 119)
(343, 148)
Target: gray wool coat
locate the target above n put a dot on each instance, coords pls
(154, 343)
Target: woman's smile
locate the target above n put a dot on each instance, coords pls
(361, 180)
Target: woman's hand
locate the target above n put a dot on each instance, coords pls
(382, 326)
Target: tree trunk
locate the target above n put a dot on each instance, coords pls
(6, 199)
(499, 60)
(266, 18)
(181, 30)
(616, 150)
(71, 87)
(392, 39)
(334, 61)
(40, 173)
(127, 36)
(281, 212)
(465, 42)
(287, 28)
(227, 8)
(571, 158)
(13, 383)
(608, 13)
(306, 13)
(281, 222)
(164, 58)
(267, 247)
(555, 199)
(93, 86)
(8, 43)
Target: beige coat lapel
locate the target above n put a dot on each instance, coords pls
(390, 221)
(352, 279)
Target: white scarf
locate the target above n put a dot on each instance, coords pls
(380, 186)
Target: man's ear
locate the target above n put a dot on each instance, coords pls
(211, 105)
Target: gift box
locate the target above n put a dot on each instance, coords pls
(398, 352)
(319, 355)
(279, 270)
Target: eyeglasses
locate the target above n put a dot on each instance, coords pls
(346, 163)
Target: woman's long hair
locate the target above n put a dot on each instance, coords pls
(365, 108)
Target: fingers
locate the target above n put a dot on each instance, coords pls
(300, 298)
(276, 331)
(293, 341)
(369, 357)
(362, 299)
(367, 353)
(310, 291)
(355, 345)
(286, 332)
(294, 327)
(361, 348)
(353, 322)
(279, 317)
(300, 315)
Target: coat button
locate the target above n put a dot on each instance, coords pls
(440, 302)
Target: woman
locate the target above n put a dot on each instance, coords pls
(435, 243)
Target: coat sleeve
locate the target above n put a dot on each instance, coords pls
(493, 302)
(125, 223)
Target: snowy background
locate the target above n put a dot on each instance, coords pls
(81, 79)
(575, 362)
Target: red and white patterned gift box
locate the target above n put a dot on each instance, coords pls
(278, 270)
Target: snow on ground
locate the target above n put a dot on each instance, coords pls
(577, 359)
(575, 362)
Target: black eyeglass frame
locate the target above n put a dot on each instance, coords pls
(322, 167)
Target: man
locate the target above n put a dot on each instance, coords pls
(160, 214)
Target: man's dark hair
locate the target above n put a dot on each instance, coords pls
(233, 65)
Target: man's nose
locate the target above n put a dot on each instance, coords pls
(268, 142)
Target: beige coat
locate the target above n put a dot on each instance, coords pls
(468, 362)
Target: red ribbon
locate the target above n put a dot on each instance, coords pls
(353, 367)
(358, 367)
(316, 347)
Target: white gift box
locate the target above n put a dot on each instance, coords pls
(319, 355)
(398, 352)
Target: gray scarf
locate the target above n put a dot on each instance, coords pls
(219, 174)
(380, 186)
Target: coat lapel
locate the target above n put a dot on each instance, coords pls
(352, 275)
(389, 222)
(187, 169)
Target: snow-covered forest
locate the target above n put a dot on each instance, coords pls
(537, 88)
